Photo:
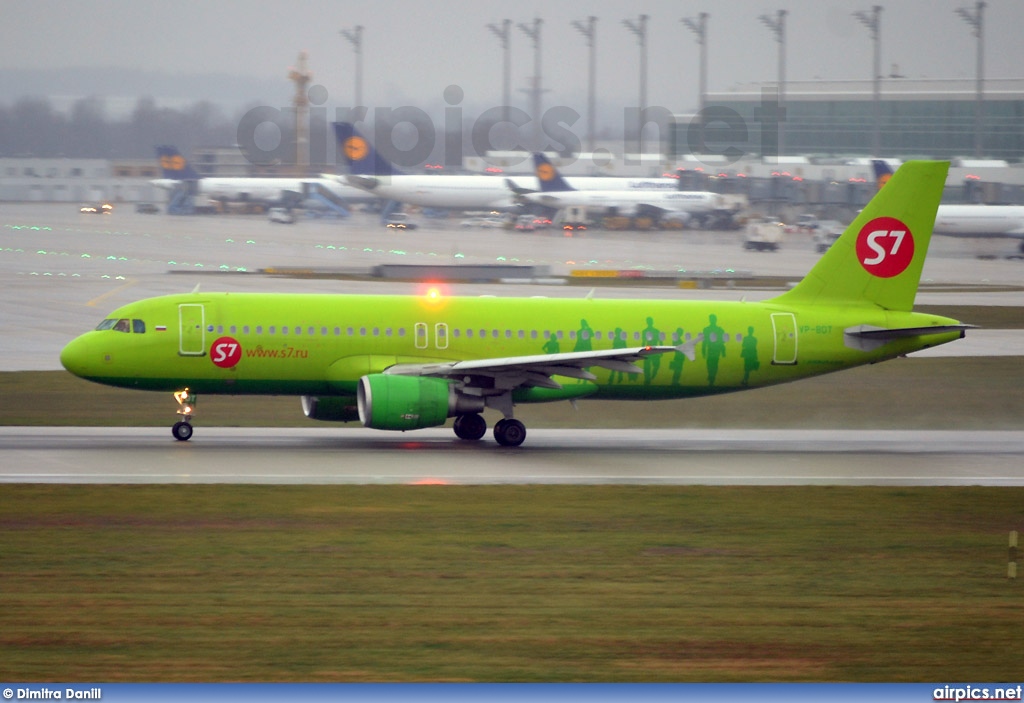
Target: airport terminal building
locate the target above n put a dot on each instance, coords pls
(916, 118)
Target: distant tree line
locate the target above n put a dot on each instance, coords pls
(32, 127)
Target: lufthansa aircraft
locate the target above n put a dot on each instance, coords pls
(408, 362)
(373, 173)
(287, 192)
(557, 193)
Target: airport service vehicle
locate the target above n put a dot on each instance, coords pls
(281, 215)
(404, 362)
(400, 220)
(761, 234)
(826, 234)
(101, 209)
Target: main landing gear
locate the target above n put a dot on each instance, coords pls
(508, 432)
(182, 430)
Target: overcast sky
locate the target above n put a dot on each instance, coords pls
(414, 49)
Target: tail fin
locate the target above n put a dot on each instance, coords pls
(174, 166)
(879, 258)
(883, 172)
(551, 180)
(359, 154)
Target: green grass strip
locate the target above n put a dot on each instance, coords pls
(508, 583)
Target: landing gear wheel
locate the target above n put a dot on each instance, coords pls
(509, 433)
(471, 427)
(182, 431)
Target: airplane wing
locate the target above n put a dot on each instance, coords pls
(537, 370)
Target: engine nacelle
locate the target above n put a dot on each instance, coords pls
(409, 402)
(332, 408)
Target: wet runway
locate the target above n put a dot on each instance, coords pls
(656, 457)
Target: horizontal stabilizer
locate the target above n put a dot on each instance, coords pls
(869, 338)
(517, 190)
(362, 182)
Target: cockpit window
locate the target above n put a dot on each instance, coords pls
(138, 326)
(118, 325)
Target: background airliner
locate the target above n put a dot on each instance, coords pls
(285, 192)
(995, 221)
(373, 173)
(557, 193)
(408, 362)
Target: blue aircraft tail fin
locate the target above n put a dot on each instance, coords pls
(175, 167)
(883, 171)
(551, 180)
(359, 154)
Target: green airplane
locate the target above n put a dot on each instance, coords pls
(409, 362)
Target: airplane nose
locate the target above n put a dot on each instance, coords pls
(76, 356)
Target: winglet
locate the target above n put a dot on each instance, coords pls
(690, 348)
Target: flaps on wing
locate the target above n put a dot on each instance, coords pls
(869, 337)
(538, 369)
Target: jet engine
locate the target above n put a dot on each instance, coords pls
(393, 402)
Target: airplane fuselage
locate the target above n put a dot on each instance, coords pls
(629, 201)
(285, 344)
(262, 189)
(980, 221)
(483, 192)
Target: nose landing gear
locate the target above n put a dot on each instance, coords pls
(182, 430)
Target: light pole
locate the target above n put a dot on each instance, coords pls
(355, 37)
(778, 28)
(533, 32)
(589, 32)
(503, 33)
(873, 22)
(639, 28)
(975, 19)
(699, 26)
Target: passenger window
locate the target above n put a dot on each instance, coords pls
(138, 327)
